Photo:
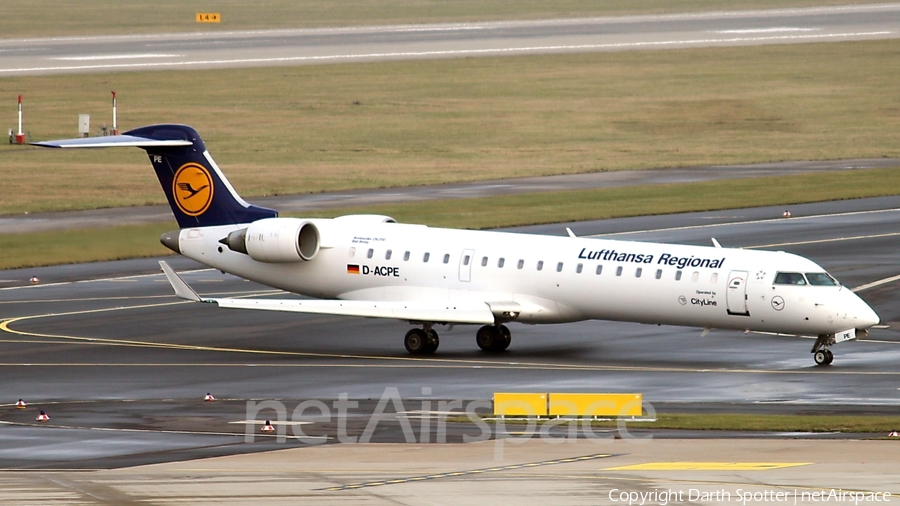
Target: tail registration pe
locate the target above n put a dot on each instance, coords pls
(378, 270)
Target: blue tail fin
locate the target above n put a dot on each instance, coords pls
(198, 192)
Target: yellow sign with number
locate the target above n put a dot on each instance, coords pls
(209, 17)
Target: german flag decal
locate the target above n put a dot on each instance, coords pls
(352, 269)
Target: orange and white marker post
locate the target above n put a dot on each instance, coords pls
(20, 136)
(115, 129)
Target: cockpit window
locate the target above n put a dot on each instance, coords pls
(821, 279)
(789, 278)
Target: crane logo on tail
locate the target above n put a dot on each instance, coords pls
(192, 188)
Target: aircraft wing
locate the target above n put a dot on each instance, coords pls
(477, 313)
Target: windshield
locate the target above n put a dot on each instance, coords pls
(821, 279)
(789, 278)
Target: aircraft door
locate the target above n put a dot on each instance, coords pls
(465, 265)
(736, 294)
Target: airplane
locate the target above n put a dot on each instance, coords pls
(372, 266)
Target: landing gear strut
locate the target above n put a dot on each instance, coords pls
(422, 341)
(821, 354)
(493, 338)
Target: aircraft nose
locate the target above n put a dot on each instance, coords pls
(864, 315)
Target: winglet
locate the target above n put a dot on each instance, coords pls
(569, 231)
(715, 242)
(182, 290)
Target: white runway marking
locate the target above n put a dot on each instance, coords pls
(459, 52)
(820, 241)
(750, 222)
(873, 284)
(769, 30)
(117, 57)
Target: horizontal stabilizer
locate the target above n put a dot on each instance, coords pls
(182, 289)
(474, 313)
(113, 141)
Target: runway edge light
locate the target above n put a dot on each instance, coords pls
(894, 434)
(20, 136)
(21, 404)
(208, 397)
(43, 417)
(268, 427)
(115, 128)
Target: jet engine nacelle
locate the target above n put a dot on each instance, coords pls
(277, 240)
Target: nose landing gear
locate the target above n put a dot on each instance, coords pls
(823, 357)
(821, 354)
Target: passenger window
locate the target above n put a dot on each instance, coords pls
(406, 256)
(484, 261)
(677, 275)
(500, 262)
(695, 276)
(789, 278)
(521, 263)
(446, 258)
(426, 257)
(466, 259)
(619, 270)
(820, 279)
(540, 265)
(714, 278)
(387, 254)
(658, 273)
(370, 253)
(559, 267)
(599, 269)
(352, 252)
(638, 272)
(579, 268)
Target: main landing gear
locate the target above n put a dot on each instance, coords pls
(493, 338)
(425, 341)
(422, 341)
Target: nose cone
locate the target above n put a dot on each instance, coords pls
(864, 315)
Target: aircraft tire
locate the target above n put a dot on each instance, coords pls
(417, 342)
(433, 342)
(829, 357)
(486, 338)
(504, 338)
(821, 357)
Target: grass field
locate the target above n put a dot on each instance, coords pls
(330, 127)
(86, 245)
(45, 18)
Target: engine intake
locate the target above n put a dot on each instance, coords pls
(276, 240)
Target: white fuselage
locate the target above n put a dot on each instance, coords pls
(549, 279)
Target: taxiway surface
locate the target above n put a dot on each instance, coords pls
(334, 45)
(123, 355)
